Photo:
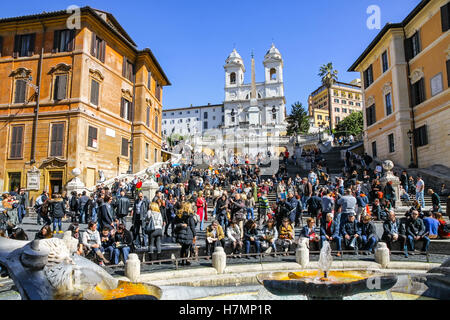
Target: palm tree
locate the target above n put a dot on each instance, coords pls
(329, 78)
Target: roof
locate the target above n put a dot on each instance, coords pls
(386, 28)
(112, 24)
(194, 107)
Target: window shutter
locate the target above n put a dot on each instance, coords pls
(124, 151)
(19, 96)
(414, 94)
(448, 73)
(94, 92)
(71, 45)
(60, 87)
(103, 51)
(147, 121)
(1, 45)
(122, 108)
(16, 46)
(32, 44)
(421, 90)
(92, 135)
(408, 49)
(56, 41)
(130, 111)
(16, 142)
(124, 67)
(59, 139)
(445, 17)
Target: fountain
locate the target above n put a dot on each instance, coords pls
(48, 270)
(324, 284)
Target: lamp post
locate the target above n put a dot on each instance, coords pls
(410, 136)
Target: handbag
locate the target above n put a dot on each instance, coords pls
(150, 225)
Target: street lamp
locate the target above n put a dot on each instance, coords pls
(410, 136)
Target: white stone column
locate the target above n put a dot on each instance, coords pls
(382, 255)
(75, 184)
(149, 187)
(302, 254)
(133, 267)
(219, 260)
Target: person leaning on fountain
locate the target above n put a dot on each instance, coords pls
(352, 233)
(329, 231)
(393, 231)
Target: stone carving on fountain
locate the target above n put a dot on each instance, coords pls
(49, 270)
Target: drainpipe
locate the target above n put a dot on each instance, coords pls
(413, 120)
(38, 92)
(130, 167)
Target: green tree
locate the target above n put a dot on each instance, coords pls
(298, 120)
(353, 124)
(329, 77)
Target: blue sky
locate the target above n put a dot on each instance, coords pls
(192, 38)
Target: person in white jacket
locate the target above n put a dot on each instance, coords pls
(235, 236)
(154, 227)
(91, 240)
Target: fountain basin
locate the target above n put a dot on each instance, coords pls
(335, 286)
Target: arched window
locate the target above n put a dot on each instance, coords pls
(273, 74)
(233, 78)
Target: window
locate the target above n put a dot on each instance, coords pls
(147, 150)
(338, 119)
(223, 119)
(391, 143)
(188, 112)
(421, 136)
(436, 84)
(158, 91)
(128, 69)
(214, 118)
(336, 100)
(388, 100)
(445, 17)
(368, 77)
(448, 73)
(344, 101)
(233, 78)
(370, 115)
(98, 48)
(336, 93)
(384, 59)
(337, 110)
(319, 117)
(124, 150)
(274, 116)
(418, 92)
(64, 41)
(205, 125)
(20, 93)
(24, 45)
(374, 149)
(156, 124)
(57, 140)
(149, 80)
(180, 113)
(205, 115)
(156, 155)
(350, 96)
(344, 110)
(60, 90)
(273, 74)
(95, 89)
(16, 142)
(125, 109)
(92, 137)
(1, 45)
(327, 118)
(196, 111)
(351, 103)
(412, 46)
(358, 104)
(147, 118)
(233, 119)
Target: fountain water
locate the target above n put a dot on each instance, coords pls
(325, 260)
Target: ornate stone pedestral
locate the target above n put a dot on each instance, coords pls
(388, 165)
(149, 186)
(219, 260)
(75, 184)
(382, 255)
(302, 254)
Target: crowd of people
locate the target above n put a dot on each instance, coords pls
(341, 210)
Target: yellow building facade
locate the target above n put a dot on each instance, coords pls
(346, 98)
(100, 101)
(406, 79)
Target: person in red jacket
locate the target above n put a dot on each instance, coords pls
(441, 232)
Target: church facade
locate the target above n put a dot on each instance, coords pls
(259, 106)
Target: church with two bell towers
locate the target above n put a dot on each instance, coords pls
(259, 106)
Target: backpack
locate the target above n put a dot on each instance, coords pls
(446, 228)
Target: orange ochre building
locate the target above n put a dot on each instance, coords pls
(99, 98)
(406, 88)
